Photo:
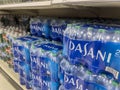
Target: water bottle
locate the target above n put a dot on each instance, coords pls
(89, 34)
(16, 65)
(61, 87)
(46, 28)
(100, 79)
(54, 67)
(80, 32)
(58, 27)
(33, 26)
(79, 71)
(116, 37)
(43, 62)
(112, 85)
(68, 29)
(73, 31)
(34, 60)
(22, 73)
(36, 81)
(40, 27)
(103, 35)
(28, 76)
(65, 66)
(65, 39)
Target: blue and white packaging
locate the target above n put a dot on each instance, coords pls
(73, 79)
(34, 52)
(22, 73)
(33, 26)
(58, 26)
(40, 27)
(16, 65)
(52, 62)
(28, 76)
(47, 64)
(24, 47)
(25, 74)
(34, 60)
(15, 49)
(79, 78)
(36, 81)
(94, 49)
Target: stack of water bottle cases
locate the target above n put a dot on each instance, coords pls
(62, 54)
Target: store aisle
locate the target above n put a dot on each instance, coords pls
(4, 84)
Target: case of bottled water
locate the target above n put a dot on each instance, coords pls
(45, 58)
(22, 61)
(58, 26)
(40, 27)
(96, 47)
(80, 78)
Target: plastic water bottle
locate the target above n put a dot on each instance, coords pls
(66, 32)
(112, 85)
(36, 85)
(90, 33)
(65, 66)
(116, 37)
(72, 69)
(79, 71)
(80, 32)
(34, 60)
(40, 28)
(103, 35)
(16, 65)
(33, 26)
(61, 87)
(58, 27)
(54, 67)
(28, 76)
(73, 31)
(22, 73)
(101, 79)
(65, 39)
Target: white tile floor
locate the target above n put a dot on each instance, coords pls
(4, 84)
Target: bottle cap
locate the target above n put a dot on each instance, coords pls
(77, 27)
(114, 83)
(102, 30)
(90, 28)
(117, 32)
(69, 25)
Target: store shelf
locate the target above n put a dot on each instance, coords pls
(5, 83)
(65, 8)
(60, 3)
(57, 1)
(4, 66)
(91, 3)
(26, 5)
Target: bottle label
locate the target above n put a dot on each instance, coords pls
(45, 85)
(72, 82)
(96, 55)
(44, 66)
(33, 28)
(50, 47)
(93, 86)
(57, 31)
(36, 80)
(40, 29)
(34, 61)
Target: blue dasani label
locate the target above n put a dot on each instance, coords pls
(97, 56)
(72, 82)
